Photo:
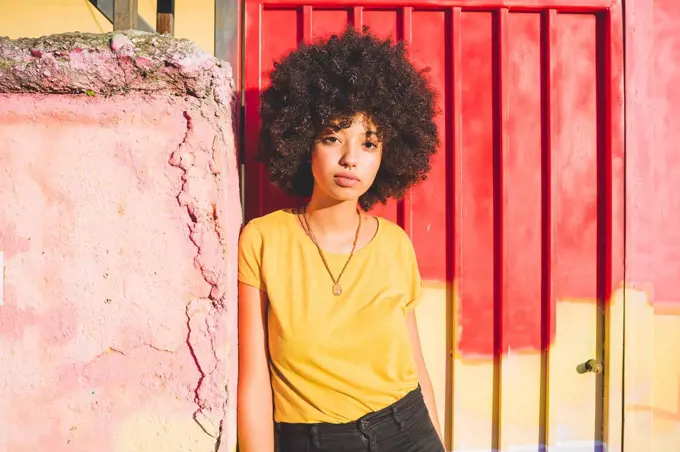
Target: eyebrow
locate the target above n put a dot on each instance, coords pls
(335, 128)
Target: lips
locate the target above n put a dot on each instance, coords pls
(346, 179)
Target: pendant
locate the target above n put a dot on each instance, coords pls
(337, 290)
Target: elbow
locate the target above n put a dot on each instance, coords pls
(254, 396)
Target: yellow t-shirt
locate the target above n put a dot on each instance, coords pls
(333, 358)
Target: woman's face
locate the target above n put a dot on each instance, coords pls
(345, 161)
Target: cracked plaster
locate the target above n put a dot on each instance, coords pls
(119, 317)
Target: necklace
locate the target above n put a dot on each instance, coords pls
(337, 289)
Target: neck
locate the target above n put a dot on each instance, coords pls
(331, 216)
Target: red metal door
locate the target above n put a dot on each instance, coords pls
(519, 227)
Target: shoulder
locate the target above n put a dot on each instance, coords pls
(398, 241)
(258, 235)
(393, 232)
(269, 222)
(394, 237)
(267, 226)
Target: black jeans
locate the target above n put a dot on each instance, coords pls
(404, 426)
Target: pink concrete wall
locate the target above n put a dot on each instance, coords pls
(119, 217)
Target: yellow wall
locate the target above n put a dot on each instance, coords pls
(652, 396)
(194, 19)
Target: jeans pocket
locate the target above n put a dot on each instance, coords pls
(426, 440)
(422, 433)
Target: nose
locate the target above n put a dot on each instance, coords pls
(350, 154)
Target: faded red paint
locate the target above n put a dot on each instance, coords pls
(653, 160)
(10, 240)
(522, 207)
(652, 402)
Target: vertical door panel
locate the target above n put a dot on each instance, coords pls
(386, 24)
(573, 403)
(475, 412)
(382, 22)
(424, 210)
(428, 201)
(328, 21)
(521, 208)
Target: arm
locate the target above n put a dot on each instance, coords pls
(423, 376)
(255, 415)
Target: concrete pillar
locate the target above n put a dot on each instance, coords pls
(119, 221)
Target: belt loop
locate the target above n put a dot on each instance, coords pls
(397, 419)
(314, 433)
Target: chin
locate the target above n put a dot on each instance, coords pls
(346, 198)
(345, 194)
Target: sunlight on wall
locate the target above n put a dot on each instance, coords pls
(194, 19)
(570, 414)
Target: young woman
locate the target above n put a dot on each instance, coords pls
(329, 353)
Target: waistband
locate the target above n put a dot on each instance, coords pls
(410, 402)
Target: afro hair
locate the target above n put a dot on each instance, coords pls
(331, 81)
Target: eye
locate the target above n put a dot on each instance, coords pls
(371, 145)
(330, 140)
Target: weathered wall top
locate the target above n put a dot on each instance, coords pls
(112, 63)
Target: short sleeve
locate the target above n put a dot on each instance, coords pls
(250, 257)
(412, 276)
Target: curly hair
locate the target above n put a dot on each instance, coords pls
(331, 81)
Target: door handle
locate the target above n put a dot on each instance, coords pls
(592, 365)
